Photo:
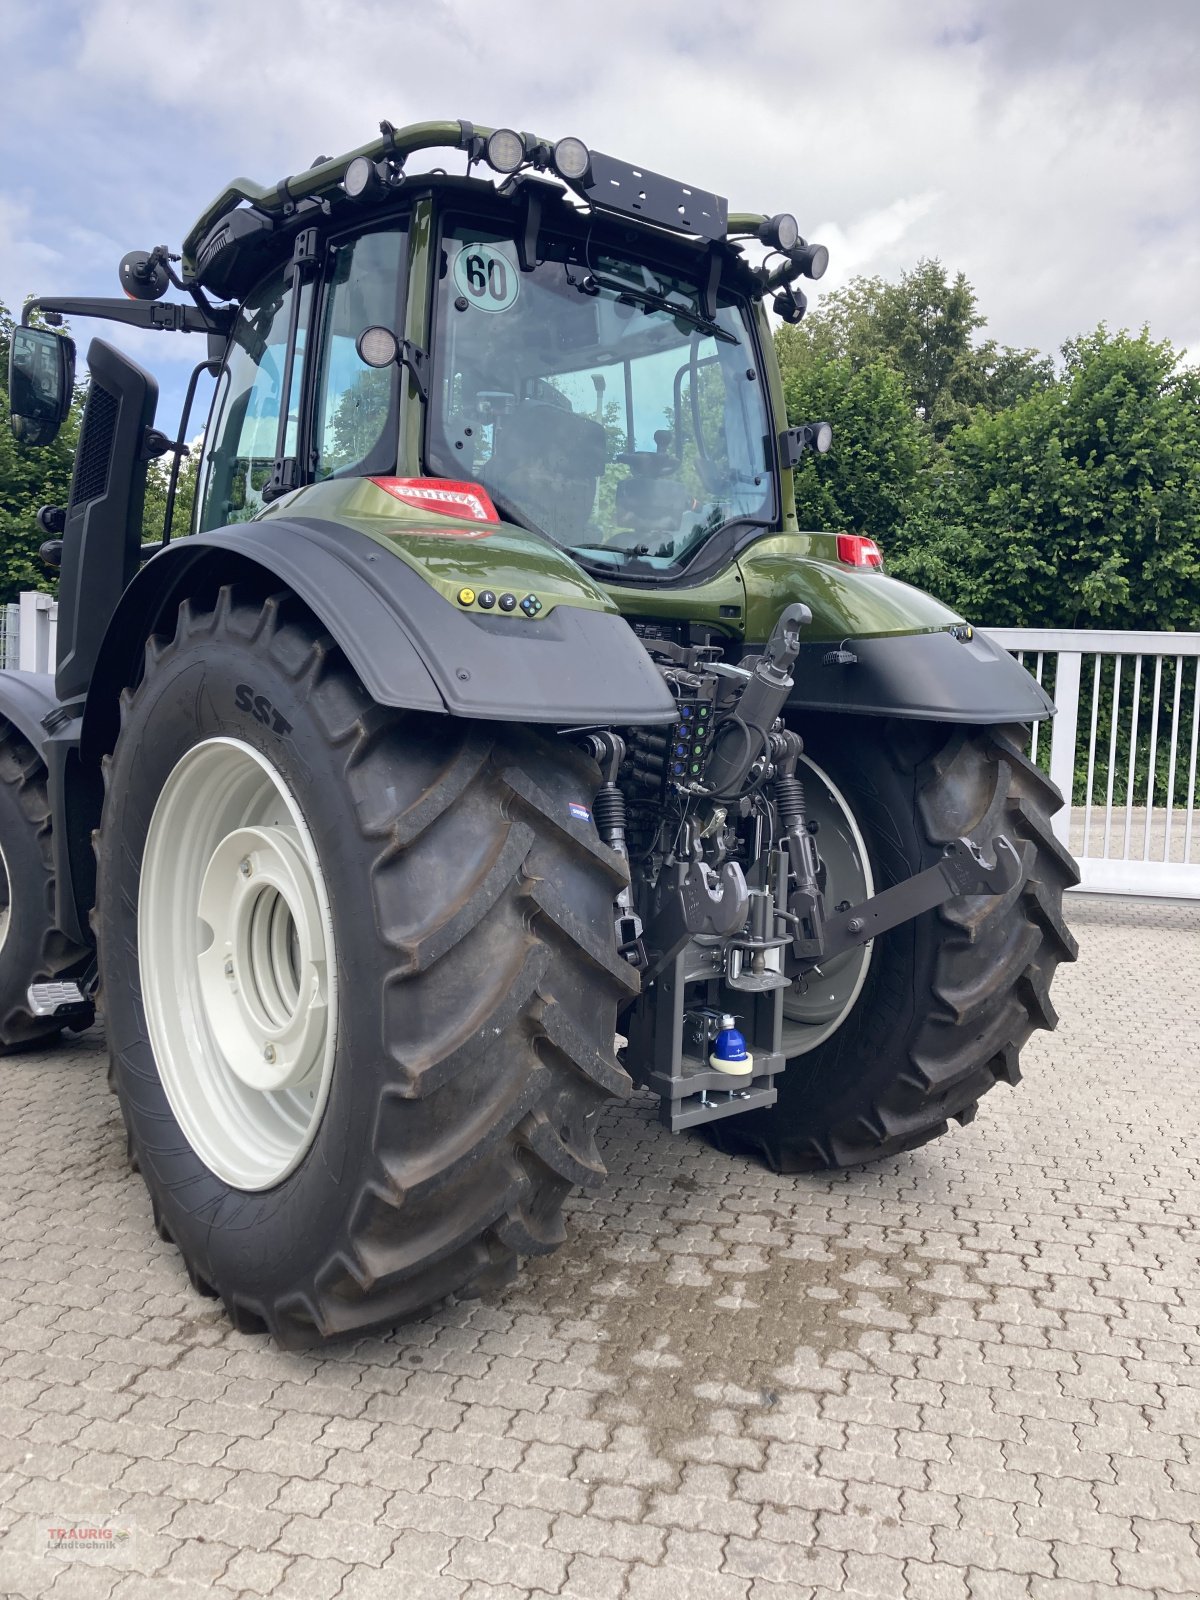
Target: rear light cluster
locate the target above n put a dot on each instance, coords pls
(856, 550)
(468, 501)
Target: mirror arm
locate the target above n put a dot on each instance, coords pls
(136, 313)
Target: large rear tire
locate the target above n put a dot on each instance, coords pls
(468, 987)
(950, 998)
(32, 948)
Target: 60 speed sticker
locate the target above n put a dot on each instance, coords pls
(487, 277)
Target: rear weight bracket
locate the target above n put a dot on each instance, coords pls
(963, 869)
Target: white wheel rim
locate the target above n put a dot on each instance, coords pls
(237, 966)
(6, 896)
(813, 1014)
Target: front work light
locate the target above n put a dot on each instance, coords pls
(572, 159)
(782, 231)
(505, 150)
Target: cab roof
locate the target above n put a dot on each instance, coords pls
(604, 183)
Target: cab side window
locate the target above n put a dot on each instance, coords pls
(238, 463)
(354, 405)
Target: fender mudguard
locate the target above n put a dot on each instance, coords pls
(25, 698)
(880, 647)
(933, 677)
(409, 645)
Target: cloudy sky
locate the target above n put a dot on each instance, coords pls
(1049, 148)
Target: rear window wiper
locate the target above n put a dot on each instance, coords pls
(655, 300)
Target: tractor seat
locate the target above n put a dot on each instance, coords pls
(547, 462)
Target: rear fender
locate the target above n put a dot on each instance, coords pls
(879, 647)
(25, 699)
(959, 676)
(409, 645)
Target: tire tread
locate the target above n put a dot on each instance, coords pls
(496, 1017)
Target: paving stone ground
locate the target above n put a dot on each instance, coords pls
(973, 1371)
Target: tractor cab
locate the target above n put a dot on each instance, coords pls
(582, 339)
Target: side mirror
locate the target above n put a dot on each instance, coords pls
(41, 382)
(143, 275)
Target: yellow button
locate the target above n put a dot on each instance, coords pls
(466, 597)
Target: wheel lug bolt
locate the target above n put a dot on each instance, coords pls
(269, 1052)
(245, 868)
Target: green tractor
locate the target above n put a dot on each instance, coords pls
(495, 740)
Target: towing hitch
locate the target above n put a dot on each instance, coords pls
(963, 869)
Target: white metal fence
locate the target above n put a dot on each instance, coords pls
(1123, 751)
(30, 633)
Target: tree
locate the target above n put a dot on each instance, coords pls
(29, 478)
(1079, 505)
(873, 478)
(923, 328)
(157, 482)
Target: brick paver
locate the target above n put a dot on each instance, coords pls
(971, 1372)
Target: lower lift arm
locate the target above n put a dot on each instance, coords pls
(963, 869)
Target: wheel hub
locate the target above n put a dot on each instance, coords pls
(826, 994)
(262, 976)
(236, 962)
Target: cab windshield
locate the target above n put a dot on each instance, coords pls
(596, 402)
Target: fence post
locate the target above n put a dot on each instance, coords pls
(1063, 736)
(36, 652)
(12, 635)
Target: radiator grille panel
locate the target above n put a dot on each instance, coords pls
(95, 445)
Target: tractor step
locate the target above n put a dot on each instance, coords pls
(62, 999)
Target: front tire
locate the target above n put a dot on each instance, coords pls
(950, 998)
(470, 987)
(32, 948)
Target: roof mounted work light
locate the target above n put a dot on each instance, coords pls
(504, 150)
(572, 159)
(363, 179)
(812, 259)
(781, 231)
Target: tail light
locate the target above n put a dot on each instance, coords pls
(470, 502)
(856, 550)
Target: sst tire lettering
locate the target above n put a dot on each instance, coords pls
(260, 708)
